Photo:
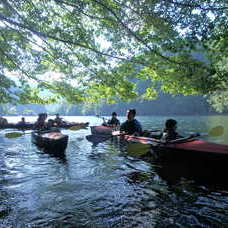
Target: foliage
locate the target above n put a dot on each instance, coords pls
(100, 47)
(218, 52)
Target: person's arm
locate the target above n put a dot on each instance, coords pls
(138, 128)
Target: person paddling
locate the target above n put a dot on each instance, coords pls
(58, 120)
(131, 126)
(22, 124)
(113, 122)
(169, 133)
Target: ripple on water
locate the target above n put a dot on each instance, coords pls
(100, 186)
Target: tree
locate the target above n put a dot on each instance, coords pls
(98, 47)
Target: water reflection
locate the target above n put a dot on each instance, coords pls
(199, 172)
(96, 139)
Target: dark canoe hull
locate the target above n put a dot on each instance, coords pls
(27, 126)
(52, 145)
(31, 126)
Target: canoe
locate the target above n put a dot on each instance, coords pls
(31, 126)
(186, 145)
(26, 126)
(52, 141)
(102, 130)
(188, 148)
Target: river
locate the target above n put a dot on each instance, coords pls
(101, 186)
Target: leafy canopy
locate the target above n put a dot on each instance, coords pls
(100, 49)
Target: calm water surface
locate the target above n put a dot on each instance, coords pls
(101, 186)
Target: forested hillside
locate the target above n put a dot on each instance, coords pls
(165, 104)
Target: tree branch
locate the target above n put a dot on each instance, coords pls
(196, 6)
(44, 35)
(136, 36)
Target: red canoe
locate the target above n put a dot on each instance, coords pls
(191, 150)
(187, 145)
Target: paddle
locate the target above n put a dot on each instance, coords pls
(139, 149)
(118, 133)
(77, 127)
(103, 118)
(214, 132)
(98, 116)
(16, 134)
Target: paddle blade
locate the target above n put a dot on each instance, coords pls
(138, 149)
(75, 128)
(216, 131)
(13, 135)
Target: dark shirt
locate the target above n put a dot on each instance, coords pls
(58, 120)
(40, 124)
(3, 121)
(130, 127)
(22, 124)
(114, 121)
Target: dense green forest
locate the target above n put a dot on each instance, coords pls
(93, 51)
(165, 104)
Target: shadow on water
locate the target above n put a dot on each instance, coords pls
(58, 155)
(96, 139)
(201, 171)
(200, 168)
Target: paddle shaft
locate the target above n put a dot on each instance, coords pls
(98, 116)
(16, 134)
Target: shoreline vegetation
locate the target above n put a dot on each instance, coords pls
(122, 115)
(164, 105)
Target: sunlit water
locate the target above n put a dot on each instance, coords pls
(101, 186)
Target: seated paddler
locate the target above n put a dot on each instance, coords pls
(22, 124)
(169, 133)
(113, 122)
(50, 124)
(58, 120)
(40, 124)
(131, 126)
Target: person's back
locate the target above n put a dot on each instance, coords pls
(40, 123)
(50, 124)
(131, 125)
